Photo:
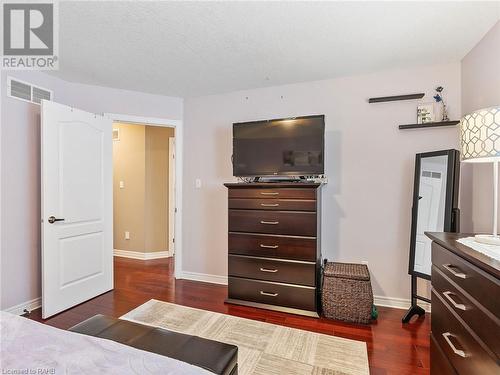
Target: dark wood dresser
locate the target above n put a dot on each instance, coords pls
(274, 256)
(465, 316)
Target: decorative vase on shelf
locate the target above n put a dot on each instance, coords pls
(439, 98)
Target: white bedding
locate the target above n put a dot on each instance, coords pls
(28, 347)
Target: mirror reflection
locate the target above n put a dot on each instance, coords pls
(431, 208)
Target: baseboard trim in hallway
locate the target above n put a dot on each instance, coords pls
(140, 255)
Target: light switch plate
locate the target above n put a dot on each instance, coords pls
(127, 235)
(122, 184)
(198, 183)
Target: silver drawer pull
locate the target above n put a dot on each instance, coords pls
(458, 352)
(269, 204)
(460, 275)
(269, 294)
(459, 306)
(269, 222)
(269, 193)
(269, 246)
(268, 270)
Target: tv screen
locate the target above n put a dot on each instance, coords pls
(283, 147)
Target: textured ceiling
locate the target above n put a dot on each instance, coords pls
(199, 48)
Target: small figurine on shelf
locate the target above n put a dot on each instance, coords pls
(439, 97)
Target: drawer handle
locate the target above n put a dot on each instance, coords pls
(458, 352)
(269, 222)
(450, 267)
(269, 294)
(269, 204)
(269, 193)
(268, 270)
(459, 306)
(269, 246)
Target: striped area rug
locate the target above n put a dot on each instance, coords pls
(263, 348)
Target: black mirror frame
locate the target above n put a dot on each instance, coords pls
(452, 212)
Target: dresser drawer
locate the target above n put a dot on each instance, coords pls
(486, 326)
(267, 245)
(463, 351)
(269, 193)
(468, 277)
(273, 222)
(298, 297)
(291, 272)
(273, 204)
(439, 363)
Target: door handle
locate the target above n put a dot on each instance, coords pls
(269, 294)
(458, 352)
(269, 246)
(459, 306)
(269, 222)
(52, 219)
(460, 275)
(269, 204)
(268, 270)
(269, 193)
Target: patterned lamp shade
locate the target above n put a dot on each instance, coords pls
(480, 135)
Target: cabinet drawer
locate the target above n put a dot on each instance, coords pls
(463, 351)
(269, 193)
(439, 363)
(484, 325)
(273, 204)
(468, 277)
(267, 245)
(273, 222)
(292, 272)
(299, 297)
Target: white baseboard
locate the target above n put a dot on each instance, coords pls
(203, 277)
(396, 303)
(140, 255)
(28, 305)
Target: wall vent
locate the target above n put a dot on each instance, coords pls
(26, 91)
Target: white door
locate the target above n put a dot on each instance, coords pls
(77, 207)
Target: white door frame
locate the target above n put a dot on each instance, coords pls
(177, 125)
(171, 196)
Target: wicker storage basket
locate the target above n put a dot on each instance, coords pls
(347, 292)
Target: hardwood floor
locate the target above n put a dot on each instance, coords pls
(393, 348)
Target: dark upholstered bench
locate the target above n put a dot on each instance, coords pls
(210, 355)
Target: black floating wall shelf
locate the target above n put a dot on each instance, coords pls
(395, 98)
(429, 125)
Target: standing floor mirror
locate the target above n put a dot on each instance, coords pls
(434, 209)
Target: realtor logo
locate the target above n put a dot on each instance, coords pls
(29, 35)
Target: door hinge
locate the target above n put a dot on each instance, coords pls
(175, 210)
(173, 240)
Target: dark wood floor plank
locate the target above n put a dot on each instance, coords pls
(393, 348)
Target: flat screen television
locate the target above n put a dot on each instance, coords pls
(283, 147)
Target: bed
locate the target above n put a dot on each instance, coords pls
(29, 347)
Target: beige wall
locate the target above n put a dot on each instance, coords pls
(157, 181)
(480, 89)
(129, 166)
(140, 160)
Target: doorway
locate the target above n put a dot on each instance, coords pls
(77, 202)
(143, 190)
